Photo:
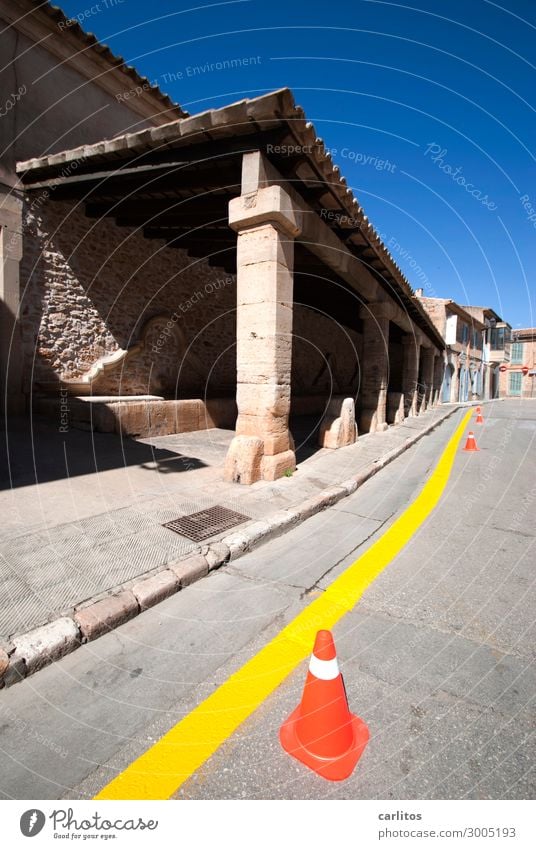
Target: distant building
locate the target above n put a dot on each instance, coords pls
(464, 359)
(497, 339)
(519, 377)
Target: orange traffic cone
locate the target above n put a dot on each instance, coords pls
(479, 419)
(471, 445)
(321, 732)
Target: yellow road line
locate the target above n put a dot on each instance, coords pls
(160, 771)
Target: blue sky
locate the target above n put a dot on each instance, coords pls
(429, 109)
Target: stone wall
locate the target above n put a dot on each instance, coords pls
(326, 356)
(435, 309)
(88, 288)
(59, 106)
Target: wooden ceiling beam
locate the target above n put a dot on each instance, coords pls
(154, 215)
(180, 208)
(207, 235)
(172, 221)
(203, 182)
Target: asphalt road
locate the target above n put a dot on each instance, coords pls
(438, 656)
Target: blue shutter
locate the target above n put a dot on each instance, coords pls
(514, 383)
(516, 355)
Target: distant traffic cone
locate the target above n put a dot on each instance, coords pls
(479, 419)
(321, 732)
(471, 445)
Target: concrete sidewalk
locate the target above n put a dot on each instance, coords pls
(83, 513)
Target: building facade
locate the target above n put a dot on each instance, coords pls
(208, 270)
(496, 352)
(464, 365)
(518, 378)
(60, 88)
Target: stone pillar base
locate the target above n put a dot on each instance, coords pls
(275, 466)
(247, 463)
(368, 422)
(338, 427)
(410, 404)
(243, 461)
(395, 407)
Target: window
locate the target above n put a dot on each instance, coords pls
(514, 383)
(517, 352)
(496, 338)
(499, 338)
(450, 332)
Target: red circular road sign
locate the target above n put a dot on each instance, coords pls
(502, 368)
(525, 369)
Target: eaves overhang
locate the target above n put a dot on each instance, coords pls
(271, 123)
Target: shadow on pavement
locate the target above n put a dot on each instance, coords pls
(36, 452)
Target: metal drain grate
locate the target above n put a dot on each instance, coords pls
(206, 523)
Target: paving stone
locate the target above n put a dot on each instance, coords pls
(237, 543)
(256, 532)
(319, 502)
(104, 615)
(4, 662)
(156, 588)
(43, 645)
(15, 672)
(190, 570)
(282, 520)
(216, 554)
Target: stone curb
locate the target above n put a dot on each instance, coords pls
(27, 653)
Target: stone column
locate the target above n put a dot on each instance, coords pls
(428, 355)
(410, 374)
(267, 223)
(488, 373)
(455, 385)
(375, 379)
(439, 370)
(10, 336)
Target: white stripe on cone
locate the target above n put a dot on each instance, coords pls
(324, 669)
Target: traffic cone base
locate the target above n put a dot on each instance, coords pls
(321, 732)
(334, 769)
(470, 444)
